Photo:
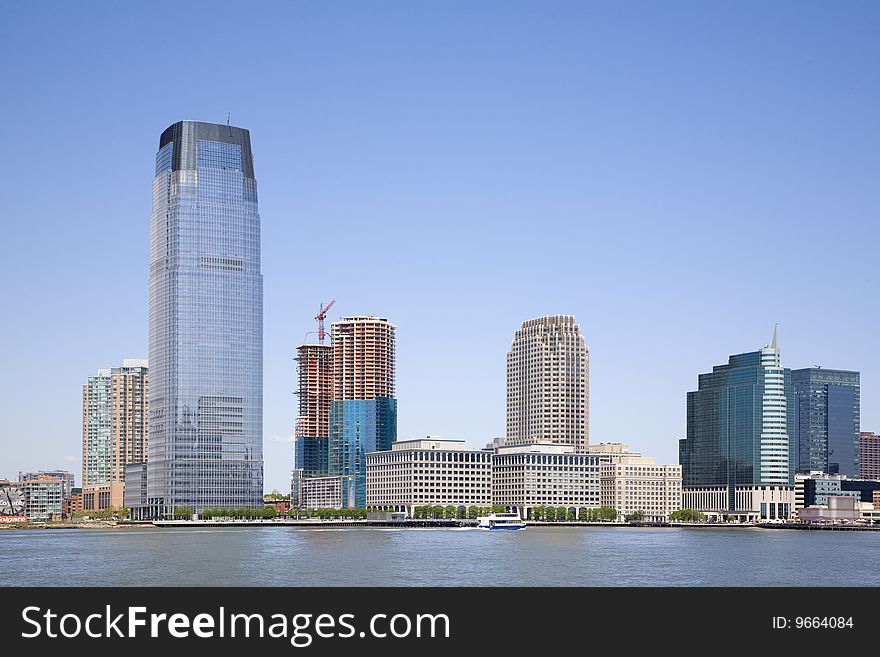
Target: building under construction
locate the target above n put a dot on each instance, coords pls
(315, 392)
(346, 405)
(363, 358)
(363, 413)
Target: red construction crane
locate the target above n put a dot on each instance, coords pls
(322, 313)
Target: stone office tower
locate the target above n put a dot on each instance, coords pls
(205, 323)
(548, 384)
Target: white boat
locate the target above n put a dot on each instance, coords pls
(507, 521)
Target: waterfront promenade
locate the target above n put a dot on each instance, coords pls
(319, 523)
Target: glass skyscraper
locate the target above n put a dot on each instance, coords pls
(358, 427)
(827, 420)
(205, 323)
(739, 425)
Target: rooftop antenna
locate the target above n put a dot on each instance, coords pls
(227, 118)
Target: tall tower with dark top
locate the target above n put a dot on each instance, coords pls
(205, 323)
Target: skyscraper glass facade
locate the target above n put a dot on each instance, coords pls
(310, 455)
(738, 425)
(828, 420)
(205, 322)
(358, 427)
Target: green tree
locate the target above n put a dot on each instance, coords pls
(635, 516)
(606, 513)
(473, 512)
(572, 515)
(450, 513)
(687, 515)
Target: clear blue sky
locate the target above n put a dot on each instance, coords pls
(679, 176)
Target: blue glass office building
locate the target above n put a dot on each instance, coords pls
(205, 323)
(738, 425)
(827, 420)
(310, 455)
(357, 427)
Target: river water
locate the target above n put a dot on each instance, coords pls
(537, 556)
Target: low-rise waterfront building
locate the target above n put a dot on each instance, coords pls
(815, 488)
(631, 483)
(336, 492)
(866, 489)
(281, 506)
(66, 477)
(799, 486)
(428, 472)
(107, 495)
(43, 497)
(72, 505)
(544, 474)
(838, 508)
(750, 503)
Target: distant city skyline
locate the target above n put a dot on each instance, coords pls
(677, 177)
